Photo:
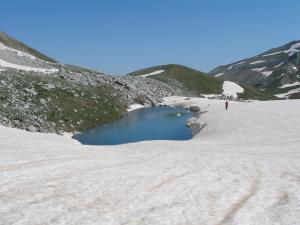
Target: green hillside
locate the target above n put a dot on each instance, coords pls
(195, 83)
(191, 81)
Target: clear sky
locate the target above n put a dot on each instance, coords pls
(119, 36)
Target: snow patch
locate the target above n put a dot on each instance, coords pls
(23, 54)
(266, 73)
(275, 53)
(291, 51)
(290, 85)
(134, 107)
(281, 75)
(26, 68)
(231, 89)
(230, 67)
(219, 74)
(259, 69)
(287, 94)
(152, 73)
(280, 64)
(256, 62)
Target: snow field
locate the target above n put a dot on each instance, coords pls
(242, 168)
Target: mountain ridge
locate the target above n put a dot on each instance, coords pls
(194, 82)
(270, 71)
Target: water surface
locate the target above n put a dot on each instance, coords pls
(155, 123)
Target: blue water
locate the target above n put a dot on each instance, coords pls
(155, 123)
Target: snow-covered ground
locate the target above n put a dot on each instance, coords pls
(231, 89)
(3, 63)
(134, 107)
(242, 168)
(15, 59)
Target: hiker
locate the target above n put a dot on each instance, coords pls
(226, 105)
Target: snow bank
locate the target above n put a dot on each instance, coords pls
(242, 168)
(219, 74)
(291, 51)
(280, 64)
(19, 53)
(26, 68)
(266, 73)
(134, 107)
(230, 67)
(259, 69)
(290, 85)
(231, 89)
(257, 62)
(287, 94)
(152, 73)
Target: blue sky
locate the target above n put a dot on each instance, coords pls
(121, 36)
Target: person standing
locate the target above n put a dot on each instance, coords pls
(226, 105)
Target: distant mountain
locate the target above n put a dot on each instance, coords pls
(193, 82)
(275, 71)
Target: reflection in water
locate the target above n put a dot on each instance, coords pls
(157, 123)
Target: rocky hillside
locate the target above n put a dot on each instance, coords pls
(39, 94)
(275, 71)
(193, 82)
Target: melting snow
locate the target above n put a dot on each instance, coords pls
(26, 68)
(259, 69)
(242, 168)
(4, 47)
(291, 51)
(219, 74)
(134, 107)
(256, 62)
(230, 67)
(281, 75)
(266, 73)
(231, 89)
(290, 85)
(287, 94)
(280, 64)
(152, 73)
(275, 53)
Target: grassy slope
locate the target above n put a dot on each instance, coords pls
(70, 106)
(11, 42)
(192, 81)
(253, 93)
(197, 82)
